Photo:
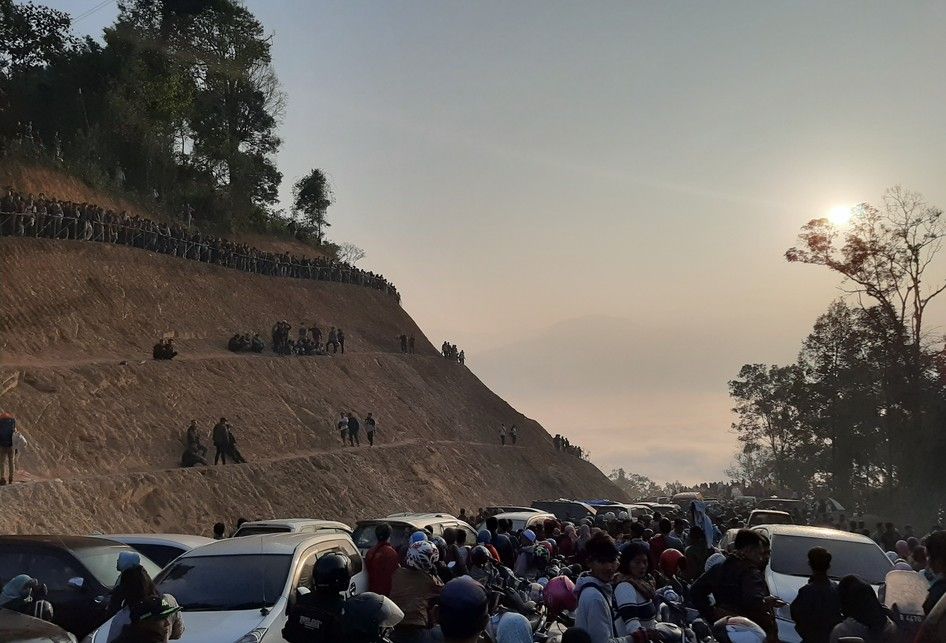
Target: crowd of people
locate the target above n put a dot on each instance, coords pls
(451, 352)
(308, 340)
(223, 440)
(51, 218)
(246, 343)
(561, 443)
(408, 343)
(349, 428)
(164, 349)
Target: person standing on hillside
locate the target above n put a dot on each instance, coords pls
(461, 358)
(332, 341)
(403, 339)
(341, 340)
(353, 428)
(7, 432)
(371, 426)
(411, 342)
(221, 440)
(343, 427)
(502, 434)
(514, 434)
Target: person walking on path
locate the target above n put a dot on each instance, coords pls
(353, 428)
(410, 344)
(514, 434)
(332, 341)
(341, 340)
(7, 432)
(221, 440)
(502, 434)
(371, 426)
(343, 427)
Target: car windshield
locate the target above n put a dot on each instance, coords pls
(102, 563)
(365, 539)
(864, 560)
(769, 518)
(225, 583)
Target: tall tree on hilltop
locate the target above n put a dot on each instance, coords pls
(31, 36)
(312, 195)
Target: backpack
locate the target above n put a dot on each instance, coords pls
(7, 428)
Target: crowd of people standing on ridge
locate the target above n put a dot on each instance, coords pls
(349, 428)
(451, 352)
(308, 340)
(561, 443)
(164, 349)
(51, 218)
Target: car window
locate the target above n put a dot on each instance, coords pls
(11, 563)
(102, 562)
(304, 578)
(225, 583)
(53, 569)
(349, 550)
(365, 539)
(862, 559)
(160, 554)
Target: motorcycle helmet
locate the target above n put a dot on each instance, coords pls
(541, 554)
(713, 561)
(332, 573)
(622, 516)
(536, 593)
(672, 561)
(737, 629)
(441, 546)
(559, 594)
(422, 555)
(479, 555)
(366, 617)
(609, 517)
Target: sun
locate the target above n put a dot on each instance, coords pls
(840, 215)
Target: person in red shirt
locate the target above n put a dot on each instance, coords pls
(381, 561)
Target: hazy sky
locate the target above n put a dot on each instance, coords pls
(594, 198)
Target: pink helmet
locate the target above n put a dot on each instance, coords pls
(559, 594)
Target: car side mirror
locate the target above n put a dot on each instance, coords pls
(76, 583)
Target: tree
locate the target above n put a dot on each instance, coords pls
(635, 485)
(31, 36)
(349, 253)
(312, 195)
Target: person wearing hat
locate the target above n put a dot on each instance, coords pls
(526, 552)
(463, 611)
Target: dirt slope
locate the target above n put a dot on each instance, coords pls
(105, 422)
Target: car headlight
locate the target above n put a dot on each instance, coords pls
(253, 636)
(784, 612)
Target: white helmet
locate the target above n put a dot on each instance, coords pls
(609, 516)
(622, 515)
(738, 629)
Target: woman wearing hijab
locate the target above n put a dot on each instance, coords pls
(513, 628)
(634, 591)
(26, 595)
(865, 616)
(147, 616)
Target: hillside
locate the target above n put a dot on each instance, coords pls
(106, 422)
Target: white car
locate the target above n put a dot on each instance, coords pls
(404, 524)
(161, 548)
(522, 520)
(290, 526)
(238, 590)
(788, 570)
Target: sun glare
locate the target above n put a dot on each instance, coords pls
(840, 214)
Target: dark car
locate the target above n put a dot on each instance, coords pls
(566, 510)
(20, 628)
(79, 572)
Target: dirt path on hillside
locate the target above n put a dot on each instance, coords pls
(27, 478)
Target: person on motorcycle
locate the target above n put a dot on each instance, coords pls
(463, 611)
(526, 551)
(634, 591)
(485, 538)
(670, 568)
(316, 616)
(368, 617)
(595, 592)
(738, 585)
(481, 566)
(414, 589)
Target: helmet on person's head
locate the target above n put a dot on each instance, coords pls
(367, 616)
(671, 561)
(541, 554)
(714, 560)
(536, 593)
(423, 556)
(559, 594)
(332, 572)
(738, 629)
(609, 517)
(479, 555)
(417, 536)
(622, 515)
(483, 537)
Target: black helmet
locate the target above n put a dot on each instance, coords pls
(332, 572)
(367, 615)
(479, 555)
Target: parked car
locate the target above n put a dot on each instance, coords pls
(404, 524)
(685, 498)
(160, 548)
(788, 570)
(769, 517)
(522, 520)
(794, 507)
(20, 628)
(79, 571)
(496, 509)
(290, 526)
(566, 510)
(240, 589)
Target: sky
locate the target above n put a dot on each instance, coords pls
(594, 199)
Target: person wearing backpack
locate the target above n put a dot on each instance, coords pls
(595, 595)
(7, 431)
(147, 616)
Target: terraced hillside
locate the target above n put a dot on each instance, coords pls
(106, 422)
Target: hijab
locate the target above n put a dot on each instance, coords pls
(514, 628)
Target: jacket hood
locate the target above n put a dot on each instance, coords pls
(587, 579)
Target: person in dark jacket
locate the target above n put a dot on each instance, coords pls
(221, 440)
(936, 557)
(738, 585)
(817, 608)
(353, 428)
